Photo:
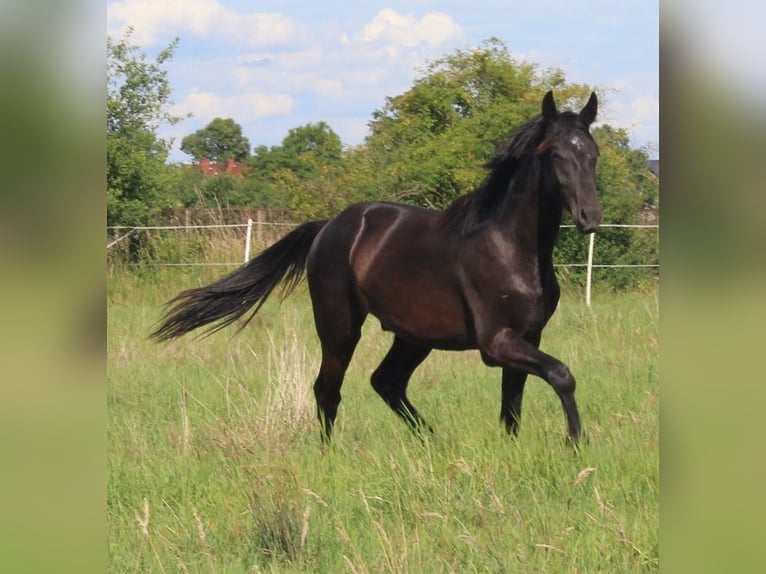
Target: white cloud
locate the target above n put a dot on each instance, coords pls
(155, 22)
(355, 66)
(242, 107)
(394, 29)
(267, 90)
(634, 108)
(643, 115)
(646, 109)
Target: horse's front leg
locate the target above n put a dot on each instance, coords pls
(512, 393)
(505, 348)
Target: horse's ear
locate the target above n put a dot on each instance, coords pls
(549, 107)
(588, 113)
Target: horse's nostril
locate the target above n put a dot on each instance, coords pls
(591, 216)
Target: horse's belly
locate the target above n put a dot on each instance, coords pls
(427, 318)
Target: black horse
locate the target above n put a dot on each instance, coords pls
(477, 275)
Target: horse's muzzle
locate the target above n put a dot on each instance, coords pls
(589, 218)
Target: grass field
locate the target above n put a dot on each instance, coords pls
(215, 463)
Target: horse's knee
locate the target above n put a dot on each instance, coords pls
(493, 351)
(561, 379)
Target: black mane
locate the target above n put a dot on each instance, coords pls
(470, 211)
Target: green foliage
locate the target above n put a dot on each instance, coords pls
(315, 142)
(218, 141)
(138, 100)
(223, 190)
(302, 174)
(305, 151)
(188, 186)
(306, 174)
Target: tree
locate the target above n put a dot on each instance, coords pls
(138, 103)
(299, 173)
(218, 141)
(317, 140)
(429, 142)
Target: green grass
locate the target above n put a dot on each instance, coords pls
(215, 463)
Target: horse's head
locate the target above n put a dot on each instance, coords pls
(573, 153)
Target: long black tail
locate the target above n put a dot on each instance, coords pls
(229, 298)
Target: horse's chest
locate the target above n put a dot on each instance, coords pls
(523, 303)
(522, 310)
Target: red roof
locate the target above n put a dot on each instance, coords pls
(231, 168)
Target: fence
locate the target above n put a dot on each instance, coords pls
(260, 225)
(591, 248)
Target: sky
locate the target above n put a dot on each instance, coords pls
(274, 65)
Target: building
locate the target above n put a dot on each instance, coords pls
(232, 167)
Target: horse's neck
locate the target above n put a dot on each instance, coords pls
(531, 214)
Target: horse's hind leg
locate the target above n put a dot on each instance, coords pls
(338, 318)
(391, 377)
(327, 387)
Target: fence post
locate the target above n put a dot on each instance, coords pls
(247, 239)
(589, 275)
